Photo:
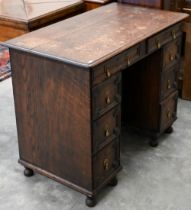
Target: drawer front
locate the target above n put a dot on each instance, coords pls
(106, 128)
(157, 41)
(118, 63)
(106, 95)
(169, 111)
(106, 162)
(169, 82)
(171, 53)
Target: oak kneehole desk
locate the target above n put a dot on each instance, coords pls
(71, 79)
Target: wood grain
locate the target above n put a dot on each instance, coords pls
(105, 33)
(53, 117)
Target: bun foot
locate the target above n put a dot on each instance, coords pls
(154, 142)
(169, 130)
(28, 172)
(113, 182)
(90, 201)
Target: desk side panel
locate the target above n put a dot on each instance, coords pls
(52, 102)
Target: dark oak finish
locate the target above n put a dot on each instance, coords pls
(106, 128)
(157, 41)
(106, 162)
(168, 111)
(106, 96)
(169, 81)
(148, 89)
(180, 6)
(93, 46)
(172, 53)
(50, 111)
(69, 110)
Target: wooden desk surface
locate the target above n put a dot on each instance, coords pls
(25, 11)
(97, 35)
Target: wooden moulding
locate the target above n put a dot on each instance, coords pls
(67, 183)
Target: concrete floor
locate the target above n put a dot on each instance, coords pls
(151, 179)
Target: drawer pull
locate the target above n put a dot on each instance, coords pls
(172, 57)
(169, 115)
(107, 133)
(128, 61)
(106, 164)
(108, 100)
(158, 44)
(173, 34)
(108, 74)
(169, 84)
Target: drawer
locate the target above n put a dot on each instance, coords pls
(106, 162)
(157, 41)
(118, 63)
(169, 82)
(168, 111)
(171, 53)
(106, 128)
(106, 95)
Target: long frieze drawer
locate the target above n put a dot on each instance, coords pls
(169, 82)
(123, 60)
(106, 95)
(157, 41)
(106, 128)
(169, 111)
(106, 162)
(171, 53)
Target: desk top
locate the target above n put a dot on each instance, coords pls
(26, 11)
(95, 36)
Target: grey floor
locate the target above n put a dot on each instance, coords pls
(151, 179)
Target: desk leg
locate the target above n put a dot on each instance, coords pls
(154, 142)
(169, 130)
(113, 182)
(90, 201)
(28, 172)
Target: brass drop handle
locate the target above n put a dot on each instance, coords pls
(158, 44)
(173, 34)
(108, 74)
(128, 61)
(106, 164)
(169, 115)
(169, 84)
(107, 133)
(172, 57)
(108, 100)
